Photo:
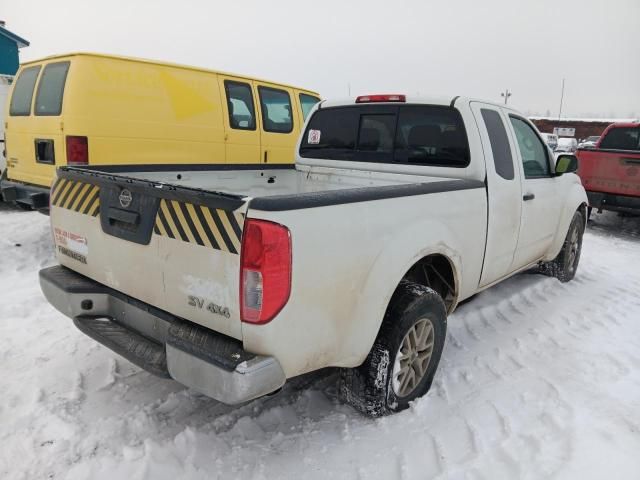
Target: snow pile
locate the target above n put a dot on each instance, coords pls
(538, 379)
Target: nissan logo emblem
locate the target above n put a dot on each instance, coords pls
(125, 198)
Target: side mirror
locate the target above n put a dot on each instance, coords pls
(566, 164)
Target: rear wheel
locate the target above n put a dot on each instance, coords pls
(404, 357)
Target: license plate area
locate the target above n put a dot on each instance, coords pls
(128, 213)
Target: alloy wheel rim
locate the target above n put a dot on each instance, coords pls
(413, 357)
(573, 248)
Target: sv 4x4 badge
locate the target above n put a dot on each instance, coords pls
(210, 306)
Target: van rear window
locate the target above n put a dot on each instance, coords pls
(409, 134)
(622, 138)
(23, 91)
(51, 89)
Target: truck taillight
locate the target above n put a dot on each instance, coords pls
(388, 97)
(77, 150)
(265, 270)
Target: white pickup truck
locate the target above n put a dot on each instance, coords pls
(233, 278)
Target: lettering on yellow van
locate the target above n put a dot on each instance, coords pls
(90, 109)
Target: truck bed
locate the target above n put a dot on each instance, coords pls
(257, 181)
(171, 236)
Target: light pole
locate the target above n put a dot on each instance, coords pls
(506, 94)
(561, 99)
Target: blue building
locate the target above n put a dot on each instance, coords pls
(9, 45)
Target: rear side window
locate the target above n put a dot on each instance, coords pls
(622, 138)
(275, 106)
(23, 91)
(51, 89)
(307, 102)
(410, 134)
(499, 143)
(242, 113)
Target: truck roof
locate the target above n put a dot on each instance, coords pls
(158, 62)
(624, 125)
(419, 99)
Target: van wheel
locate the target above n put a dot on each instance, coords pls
(23, 206)
(404, 357)
(565, 265)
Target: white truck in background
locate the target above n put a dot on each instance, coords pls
(233, 278)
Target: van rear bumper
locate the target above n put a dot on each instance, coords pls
(165, 345)
(614, 202)
(34, 196)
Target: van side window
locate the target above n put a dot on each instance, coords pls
(51, 89)
(242, 114)
(307, 102)
(23, 91)
(499, 143)
(275, 106)
(532, 150)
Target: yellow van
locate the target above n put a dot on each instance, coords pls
(85, 108)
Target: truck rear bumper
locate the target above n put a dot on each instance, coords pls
(165, 345)
(34, 196)
(611, 201)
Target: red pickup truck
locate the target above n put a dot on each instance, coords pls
(610, 172)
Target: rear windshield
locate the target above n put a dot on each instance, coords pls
(23, 91)
(410, 134)
(622, 138)
(51, 88)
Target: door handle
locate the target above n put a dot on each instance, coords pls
(265, 156)
(528, 196)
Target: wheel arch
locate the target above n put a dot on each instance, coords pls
(369, 317)
(575, 201)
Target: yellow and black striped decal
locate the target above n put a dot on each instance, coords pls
(77, 196)
(208, 227)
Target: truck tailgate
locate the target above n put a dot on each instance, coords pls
(173, 247)
(610, 171)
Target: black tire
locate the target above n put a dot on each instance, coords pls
(565, 265)
(369, 388)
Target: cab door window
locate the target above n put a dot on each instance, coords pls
(23, 92)
(242, 115)
(532, 150)
(275, 106)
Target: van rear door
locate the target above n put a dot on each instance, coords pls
(280, 125)
(242, 137)
(35, 140)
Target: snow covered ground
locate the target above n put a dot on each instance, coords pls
(538, 380)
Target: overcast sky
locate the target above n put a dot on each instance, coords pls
(453, 47)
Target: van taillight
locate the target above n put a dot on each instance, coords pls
(77, 150)
(265, 270)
